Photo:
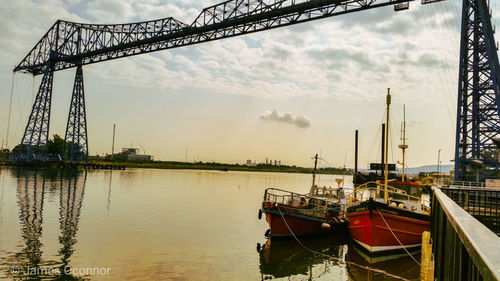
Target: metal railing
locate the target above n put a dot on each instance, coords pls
(376, 190)
(482, 204)
(303, 203)
(467, 184)
(463, 248)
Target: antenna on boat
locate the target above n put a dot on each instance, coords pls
(388, 102)
(403, 146)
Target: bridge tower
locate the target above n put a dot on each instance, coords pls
(34, 144)
(478, 106)
(76, 128)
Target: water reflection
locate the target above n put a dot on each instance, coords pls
(335, 258)
(287, 258)
(108, 205)
(70, 202)
(184, 225)
(30, 195)
(398, 266)
(32, 186)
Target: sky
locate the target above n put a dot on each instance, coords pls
(283, 94)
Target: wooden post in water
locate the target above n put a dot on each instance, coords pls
(426, 264)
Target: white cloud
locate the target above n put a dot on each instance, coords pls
(353, 57)
(111, 11)
(286, 118)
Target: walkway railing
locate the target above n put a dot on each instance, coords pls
(463, 248)
(482, 204)
(467, 184)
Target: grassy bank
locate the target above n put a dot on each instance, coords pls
(194, 166)
(218, 166)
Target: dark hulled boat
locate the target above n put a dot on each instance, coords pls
(322, 210)
(288, 212)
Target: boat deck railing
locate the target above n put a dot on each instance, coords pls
(463, 248)
(308, 204)
(376, 190)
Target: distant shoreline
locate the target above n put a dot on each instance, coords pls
(170, 165)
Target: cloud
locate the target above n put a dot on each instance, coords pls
(287, 118)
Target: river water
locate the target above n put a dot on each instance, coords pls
(145, 224)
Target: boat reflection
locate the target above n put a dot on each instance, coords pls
(287, 258)
(340, 259)
(32, 188)
(359, 264)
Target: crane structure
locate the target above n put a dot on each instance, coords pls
(478, 106)
(73, 45)
(69, 44)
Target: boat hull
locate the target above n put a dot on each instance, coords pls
(284, 223)
(375, 226)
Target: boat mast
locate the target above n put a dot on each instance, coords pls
(314, 171)
(404, 146)
(388, 102)
(311, 191)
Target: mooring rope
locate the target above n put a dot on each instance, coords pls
(397, 238)
(339, 259)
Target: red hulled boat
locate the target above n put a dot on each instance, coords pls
(383, 218)
(378, 226)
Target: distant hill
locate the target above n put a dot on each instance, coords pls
(427, 168)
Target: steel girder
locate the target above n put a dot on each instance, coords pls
(34, 143)
(478, 107)
(76, 128)
(69, 44)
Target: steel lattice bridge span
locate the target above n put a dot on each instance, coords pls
(68, 44)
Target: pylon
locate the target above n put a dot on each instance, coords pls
(75, 139)
(478, 107)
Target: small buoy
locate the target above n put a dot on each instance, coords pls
(268, 233)
(260, 214)
(401, 205)
(325, 225)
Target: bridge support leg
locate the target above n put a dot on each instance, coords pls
(76, 129)
(34, 144)
(478, 107)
